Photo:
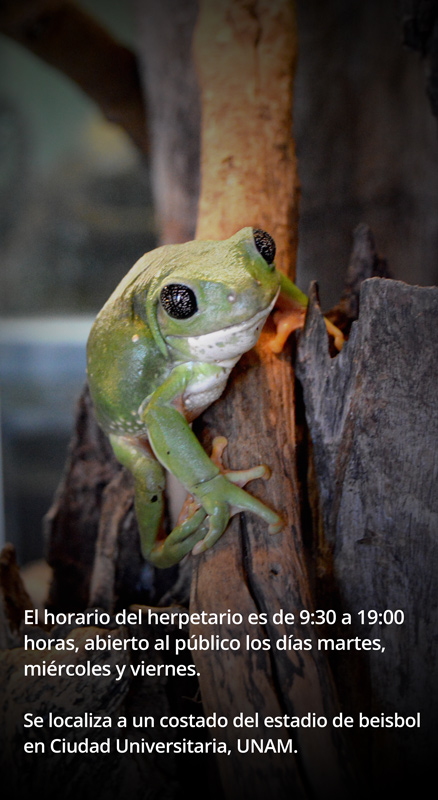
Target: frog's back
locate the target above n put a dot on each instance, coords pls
(124, 365)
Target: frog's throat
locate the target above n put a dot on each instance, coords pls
(227, 343)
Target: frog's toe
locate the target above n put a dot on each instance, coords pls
(180, 541)
(275, 527)
(242, 501)
(187, 527)
(200, 547)
(240, 477)
(337, 334)
(218, 521)
(217, 448)
(207, 541)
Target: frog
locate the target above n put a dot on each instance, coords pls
(159, 353)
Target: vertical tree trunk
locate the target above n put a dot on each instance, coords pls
(246, 59)
(165, 31)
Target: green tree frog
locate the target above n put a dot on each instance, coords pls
(160, 352)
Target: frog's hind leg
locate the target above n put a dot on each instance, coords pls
(149, 481)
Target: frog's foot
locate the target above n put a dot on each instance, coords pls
(180, 541)
(222, 499)
(287, 321)
(240, 477)
(204, 518)
(202, 529)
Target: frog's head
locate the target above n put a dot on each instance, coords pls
(209, 300)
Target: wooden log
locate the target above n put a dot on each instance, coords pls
(249, 178)
(109, 773)
(251, 572)
(61, 695)
(364, 263)
(116, 503)
(248, 164)
(14, 599)
(165, 31)
(372, 417)
(72, 523)
(91, 531)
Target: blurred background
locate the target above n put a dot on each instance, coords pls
(76, 214)
(77, 208)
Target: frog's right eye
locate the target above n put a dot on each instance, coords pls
(178, 301)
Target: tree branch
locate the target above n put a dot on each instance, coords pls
(67, 38)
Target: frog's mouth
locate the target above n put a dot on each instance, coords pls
(225, 344)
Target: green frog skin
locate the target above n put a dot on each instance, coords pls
(159, 353)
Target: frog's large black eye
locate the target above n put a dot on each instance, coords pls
(265, 245)
(178, 301)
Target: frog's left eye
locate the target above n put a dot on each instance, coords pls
(178, 301)
(264, 244)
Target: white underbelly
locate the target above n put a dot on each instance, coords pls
(202, 392)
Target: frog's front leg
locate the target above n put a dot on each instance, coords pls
(178, 449)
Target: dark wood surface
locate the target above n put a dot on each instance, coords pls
(372, 416)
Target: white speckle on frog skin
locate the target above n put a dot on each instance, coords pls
(135, 338)
(232, 297)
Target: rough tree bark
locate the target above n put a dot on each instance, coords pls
(372, 418)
